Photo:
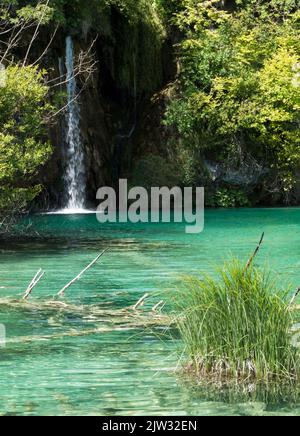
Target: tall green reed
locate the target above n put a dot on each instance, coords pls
(237, 325)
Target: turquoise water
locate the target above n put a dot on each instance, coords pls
(121, 370)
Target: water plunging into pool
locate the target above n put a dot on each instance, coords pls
(74, 177)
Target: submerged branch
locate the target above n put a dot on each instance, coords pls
(110, 319)
(249, 263)
(105, 320)
(141, 302)
(158, 306)
(36, 279)
(62, 291)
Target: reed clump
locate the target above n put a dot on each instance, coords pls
(238, 326)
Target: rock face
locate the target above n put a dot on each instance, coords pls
(96, 133)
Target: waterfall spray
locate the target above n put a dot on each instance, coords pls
(74, 177)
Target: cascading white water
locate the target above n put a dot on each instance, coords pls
(75, 171)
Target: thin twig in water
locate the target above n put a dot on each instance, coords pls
(255, 252)
(159, 305)
(62, 291)
(36, 279)
(33, 280)
(141, 302)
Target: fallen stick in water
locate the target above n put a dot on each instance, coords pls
(121, 327)
(39, 275)
(159, 305)
(62, 291)
(85, 312)
(140, 302)
(255, 252)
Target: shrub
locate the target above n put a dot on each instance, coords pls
(153, 170)
(237, 326)
(23, 150)
(227, 198)
(238, 82)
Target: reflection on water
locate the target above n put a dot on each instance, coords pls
(125, 371)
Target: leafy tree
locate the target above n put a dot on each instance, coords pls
(23, 107)
(23, 149)
(239, 82)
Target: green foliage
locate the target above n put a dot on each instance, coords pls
(169, 8)
(137, 41)
(185, 158)
(72, 13)
(153, 170)
(22, 146)
(228, 198)
(239, 82)
(237, 326)
(17, 12)
(138, 56)
(40, 13)
(278, 7)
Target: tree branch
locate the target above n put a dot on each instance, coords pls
(39, 275)
(62, 291)
(255, 252)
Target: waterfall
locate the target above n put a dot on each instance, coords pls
(74, 177)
